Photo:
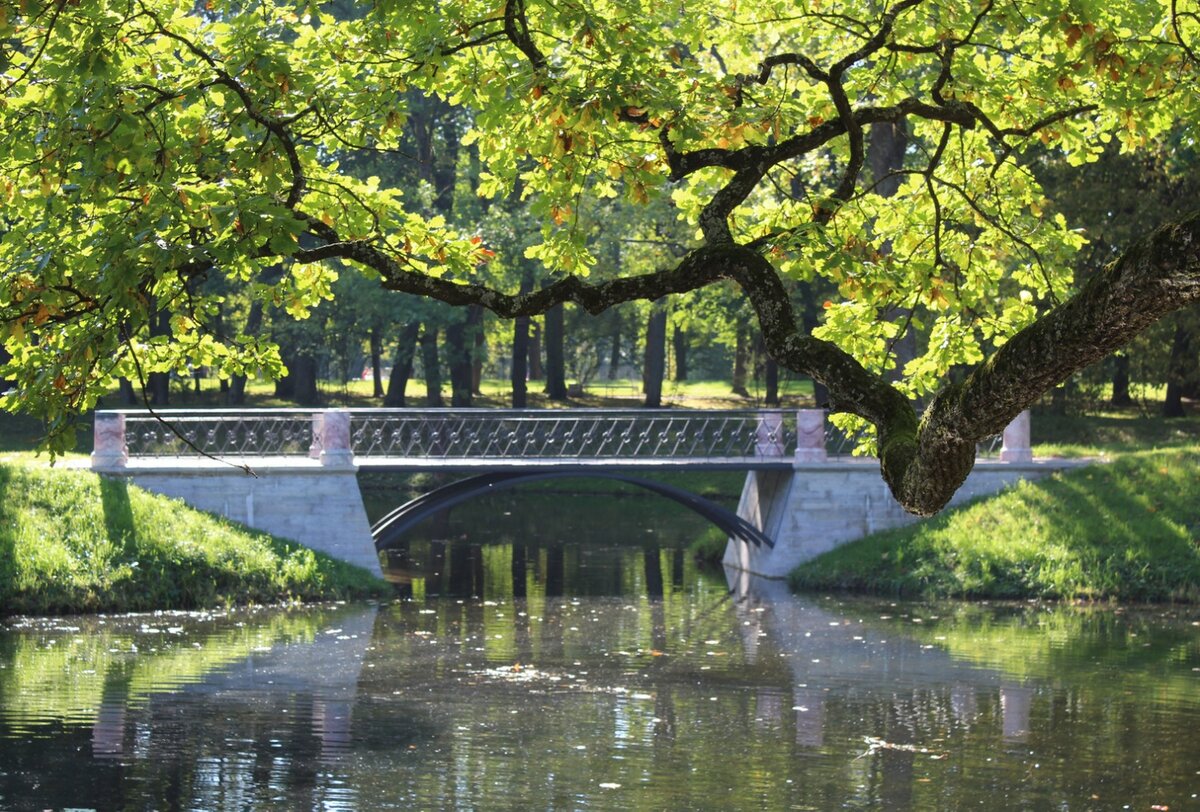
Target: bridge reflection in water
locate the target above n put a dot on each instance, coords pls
(638, 695)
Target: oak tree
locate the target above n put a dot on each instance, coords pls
(148, 144)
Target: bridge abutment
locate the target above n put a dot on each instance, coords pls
(316, 502)
(821, 504)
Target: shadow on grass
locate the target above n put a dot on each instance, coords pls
(118, 513)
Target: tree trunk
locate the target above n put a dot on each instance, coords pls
(304, 379)
(1120, 382)
(433, 370)
(771, 374)
(1178, 366)
(159, 383)
(478, 351)
(536, 373)
(679, 343)
(126, 394)
(406, 348)
(376, 362)
(5, 357)
(654, 367)
(459, 360)
(614, 357)
(520, 354)
(741, 360)
(556, 373)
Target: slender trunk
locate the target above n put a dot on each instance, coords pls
(478, 351)
(459, 361)
(614, 357)
(741, 359)
(402, 369)
(771, 373)
(237, 385)
(679, 343)
(1177, 369)
(556, 374)
(655, 364)
(536, 373)
(1120, 382)
(433, 371)
(520, 354)
(376, 361)
(159, 383)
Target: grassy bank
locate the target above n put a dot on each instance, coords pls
(1128, 530)
(71, 541)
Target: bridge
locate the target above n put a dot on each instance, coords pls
(292, 472)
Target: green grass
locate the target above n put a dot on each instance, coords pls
(71, 541)
(1128, 530)
(1110, 434)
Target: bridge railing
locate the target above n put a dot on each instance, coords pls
(575, 434)
(338, 436)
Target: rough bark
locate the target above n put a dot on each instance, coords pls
(459, 360)
(536, 372)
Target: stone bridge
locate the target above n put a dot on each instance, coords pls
(292, 472)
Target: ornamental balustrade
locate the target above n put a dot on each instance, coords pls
(340, 437)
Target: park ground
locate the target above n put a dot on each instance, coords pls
(1127, 529)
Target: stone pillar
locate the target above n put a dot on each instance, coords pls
(110, 451)
(810, 435)
(318, 425)
(768, 435)
(1017, 447)
(335, 439)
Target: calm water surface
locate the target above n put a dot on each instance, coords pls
(585, 663)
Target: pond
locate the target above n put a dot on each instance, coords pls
(582, 661)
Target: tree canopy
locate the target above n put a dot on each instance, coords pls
(148, 145)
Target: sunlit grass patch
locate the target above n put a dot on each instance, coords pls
(1129, 530)
(71, 541)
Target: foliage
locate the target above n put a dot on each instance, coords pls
(148, 145)
(1125, 530)
(123, 549)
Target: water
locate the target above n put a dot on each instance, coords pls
(601, 674)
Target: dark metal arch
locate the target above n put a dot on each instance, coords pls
(392, 527)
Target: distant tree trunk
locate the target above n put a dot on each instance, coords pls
(771, 373)
(159, 383)
(1181, 362)
(1120, 382)
(614, 357)
(433, 371)
(5, 357)
(520, 354)
(741, 360)
(126, 394)
(679, 343)
(770, 370)
(406, 348)
(459, 361)
(808, 317)
(536, 373)
(556, 373)
(654, 368)
(304, 379)
(377, 362)
(478, 351)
